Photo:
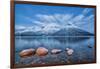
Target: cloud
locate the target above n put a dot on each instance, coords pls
(19, 27)
(78, 18)
(91, 17)
(85, 11)
(46, 18)
(59, 19)
(55, 18)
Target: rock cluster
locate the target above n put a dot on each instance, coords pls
(42, 51)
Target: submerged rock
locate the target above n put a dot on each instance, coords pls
(27, 52)
(56, 51)
(69, 51)
(41, 51)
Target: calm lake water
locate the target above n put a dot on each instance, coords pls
(82, 53)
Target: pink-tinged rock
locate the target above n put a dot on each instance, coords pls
(56, 51)
(41, 51)
(27, 52)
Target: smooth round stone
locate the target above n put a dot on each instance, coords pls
(27, 52)
(41, 51)
(56, 51)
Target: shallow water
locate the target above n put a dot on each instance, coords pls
(82, 53)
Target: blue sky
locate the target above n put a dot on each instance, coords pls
(36, 15)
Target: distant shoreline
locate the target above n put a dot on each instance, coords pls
(53, 36)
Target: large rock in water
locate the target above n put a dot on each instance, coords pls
(41, 51)
(27, 52)
(56, 51)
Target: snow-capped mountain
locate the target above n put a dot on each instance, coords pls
(38, 30)
(71, 32)
(52, 30)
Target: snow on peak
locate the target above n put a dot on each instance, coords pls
(51, 28)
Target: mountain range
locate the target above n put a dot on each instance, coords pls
(52, 31)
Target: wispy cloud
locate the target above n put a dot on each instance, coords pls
(85, 11)
(18, 27)
(55, 18)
